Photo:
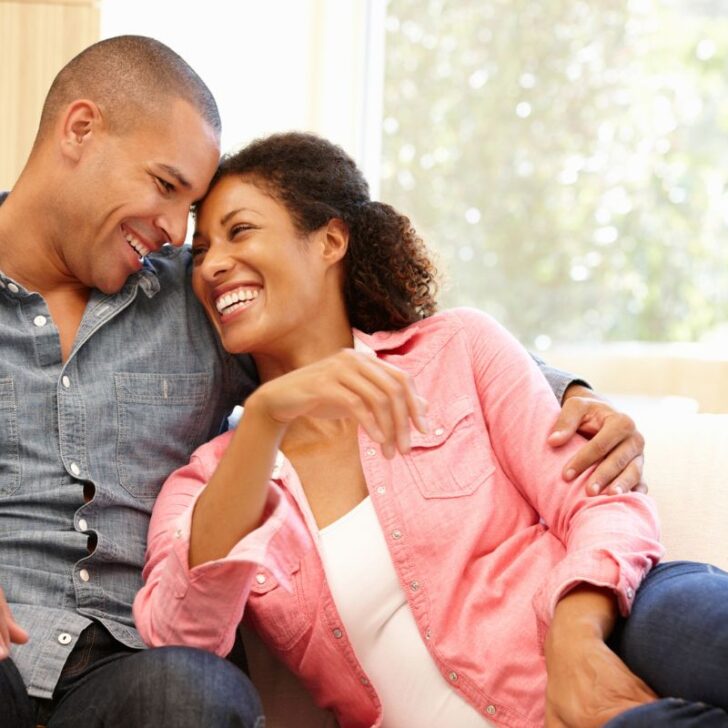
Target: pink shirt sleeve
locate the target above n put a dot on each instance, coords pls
(202, 607)
(611, 541)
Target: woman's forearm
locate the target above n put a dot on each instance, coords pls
(586, 611)
(232, 504)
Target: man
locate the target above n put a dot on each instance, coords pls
(109, 377)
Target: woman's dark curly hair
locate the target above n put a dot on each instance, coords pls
(389, 280)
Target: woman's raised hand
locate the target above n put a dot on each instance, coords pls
(379, 396)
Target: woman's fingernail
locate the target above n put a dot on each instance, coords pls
(617, 489)
(570, 473)
(595, 488)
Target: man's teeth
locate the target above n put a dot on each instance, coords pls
(236, 299)
(141, 249)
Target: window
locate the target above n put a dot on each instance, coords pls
(568, 161)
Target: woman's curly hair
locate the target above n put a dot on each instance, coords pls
(389, 280)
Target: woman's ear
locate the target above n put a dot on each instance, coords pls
(80, 121)
(335, 240)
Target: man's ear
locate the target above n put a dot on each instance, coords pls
(335, 240)
(80, 123)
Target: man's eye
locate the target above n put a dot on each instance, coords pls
(166, 186)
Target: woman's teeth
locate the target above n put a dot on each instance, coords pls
(142, 250)
(239, 298)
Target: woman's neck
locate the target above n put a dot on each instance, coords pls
(309, 348)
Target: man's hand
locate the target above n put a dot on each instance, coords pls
(10, 630)
(614, 443)
(588, 684)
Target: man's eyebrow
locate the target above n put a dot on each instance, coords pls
(174, 172)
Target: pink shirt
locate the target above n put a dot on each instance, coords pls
(484, 534)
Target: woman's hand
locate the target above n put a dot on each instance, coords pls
(614, 443)
(588, 684)
(380, 397)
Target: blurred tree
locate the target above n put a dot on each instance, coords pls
(568, 160)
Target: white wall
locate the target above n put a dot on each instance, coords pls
(275, 65)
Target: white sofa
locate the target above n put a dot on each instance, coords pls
(686, 467)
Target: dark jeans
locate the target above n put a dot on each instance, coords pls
(107, 685)
(676, 640)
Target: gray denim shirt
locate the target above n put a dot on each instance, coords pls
(145, 384)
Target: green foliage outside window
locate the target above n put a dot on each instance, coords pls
(567, 160)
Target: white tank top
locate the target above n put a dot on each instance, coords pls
(382, 630)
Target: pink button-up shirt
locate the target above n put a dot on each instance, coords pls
(484, 534)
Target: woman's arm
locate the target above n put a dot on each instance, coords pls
(215, 519)
(611, 541)
(588, 684)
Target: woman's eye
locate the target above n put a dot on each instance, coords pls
(239, 228)
(197, 253)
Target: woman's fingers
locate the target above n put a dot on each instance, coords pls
(390, 395)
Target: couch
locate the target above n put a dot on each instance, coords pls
(686, 467)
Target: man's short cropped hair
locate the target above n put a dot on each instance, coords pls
(129, 77)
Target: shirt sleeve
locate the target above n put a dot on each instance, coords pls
(559, 380)
(202, 607)
(610, 541)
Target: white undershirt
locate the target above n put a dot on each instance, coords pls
(382, 630)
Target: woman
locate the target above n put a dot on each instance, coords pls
(387, 513)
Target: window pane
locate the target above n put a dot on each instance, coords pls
(568, 160)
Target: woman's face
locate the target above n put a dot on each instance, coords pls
(260, 281)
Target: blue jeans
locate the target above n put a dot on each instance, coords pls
(106, 685)
(676, 640)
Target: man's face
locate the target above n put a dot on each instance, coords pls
(134, 192)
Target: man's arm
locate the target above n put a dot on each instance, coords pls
(614, 441)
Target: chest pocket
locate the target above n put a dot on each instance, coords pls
(9, 457)
(278, 615)
(454, 458)
(160, 422)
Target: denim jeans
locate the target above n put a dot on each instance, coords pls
(107, 685)
(676, 640)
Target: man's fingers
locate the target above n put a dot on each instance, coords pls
(589, 453)
(568, 422)
(619, 472)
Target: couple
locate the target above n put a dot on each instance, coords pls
(112, 376)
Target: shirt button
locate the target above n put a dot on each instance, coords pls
(64, 638)
(82, 525)
(371, 452)
(363, 681)
(65, 381)
(178, 533)
(439, 431)
(415, 585)
(490, 710)
(453, 677)
(14, 289)
(337, 633)
(428, 634)
(85, 576)
(630, 592)
(75, 469)
(396, 534)
(381, 490)
(260, 578)
(40, 321)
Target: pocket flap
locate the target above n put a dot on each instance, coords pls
(442, 423)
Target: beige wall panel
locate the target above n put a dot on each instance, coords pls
(36, 39)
